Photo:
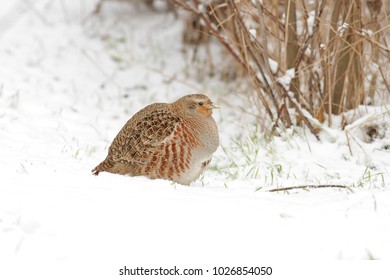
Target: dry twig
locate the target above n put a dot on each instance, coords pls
(307, 187)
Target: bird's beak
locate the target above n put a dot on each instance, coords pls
(212, 106)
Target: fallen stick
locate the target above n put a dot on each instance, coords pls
(307, 187)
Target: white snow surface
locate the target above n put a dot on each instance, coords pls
(69, 81)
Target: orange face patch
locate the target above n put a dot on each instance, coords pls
(205, 110)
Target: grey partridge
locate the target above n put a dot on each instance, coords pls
(173, 141)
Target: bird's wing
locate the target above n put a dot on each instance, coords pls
(142, 136)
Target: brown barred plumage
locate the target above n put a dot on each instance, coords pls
(172, 141)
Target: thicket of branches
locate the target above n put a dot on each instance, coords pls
(337, 50)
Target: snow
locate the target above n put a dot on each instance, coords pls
(69, 80)
(254, 2)
(341, 29)
(273, 65)
(253, 32)
(310, 22)
(286, 79)
(367, 32)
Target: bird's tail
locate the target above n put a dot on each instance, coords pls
(105, 165)
(96, 171)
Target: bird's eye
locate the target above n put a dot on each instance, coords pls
(200, 103)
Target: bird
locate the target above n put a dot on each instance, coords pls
(171, 141)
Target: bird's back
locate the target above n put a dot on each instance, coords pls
(139, 139)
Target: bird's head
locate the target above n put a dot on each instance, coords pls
(197, 104)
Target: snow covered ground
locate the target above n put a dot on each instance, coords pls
(69, 80)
